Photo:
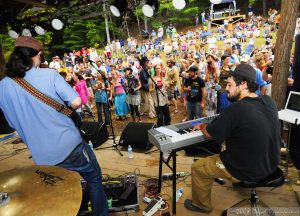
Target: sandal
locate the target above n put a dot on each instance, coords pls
(189, 205)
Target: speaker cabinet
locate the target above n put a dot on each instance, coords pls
(135, 134)
(94, 131)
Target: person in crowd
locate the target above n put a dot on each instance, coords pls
(34, 120)
(147, 106)
(211, 79)
(55, 63)
(277, 21)
(197, 20)
(195, 94)
(81, 88)
(160, 97)
(121, 107)
(250, 128)
(101, 89)
(171, 82)
(261, 90)
(68, 61)
(86, 73)
(133, 97)
(223, 101)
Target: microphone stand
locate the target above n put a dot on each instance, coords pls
(156, 90)
(115, 145)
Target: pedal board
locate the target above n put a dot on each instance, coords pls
(113, 183)
(123, 192)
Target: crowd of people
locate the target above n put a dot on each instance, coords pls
(117, 79)
(145, 78)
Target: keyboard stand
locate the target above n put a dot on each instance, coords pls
(173, 168)
(149, 152)
(288, 151)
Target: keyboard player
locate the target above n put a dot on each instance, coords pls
(250, 128)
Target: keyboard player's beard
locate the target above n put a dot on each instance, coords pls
(235, 97)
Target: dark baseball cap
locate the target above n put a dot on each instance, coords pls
(244, 71)
(193, 68)
(144, 59)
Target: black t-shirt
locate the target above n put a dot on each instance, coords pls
(195, 95)
(251, 130)
(87, 73)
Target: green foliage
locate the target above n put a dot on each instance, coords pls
(92, 35)
(167, 13)
(44, 14)
(91, 32)
(7, 44)
(251, 2)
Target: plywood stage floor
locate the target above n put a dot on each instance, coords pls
(223, 196)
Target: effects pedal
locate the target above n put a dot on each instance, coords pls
(153, 206)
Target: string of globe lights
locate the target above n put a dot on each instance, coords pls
(56, 23)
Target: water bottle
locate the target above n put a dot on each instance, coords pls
(179, 193)
(130, 152)
(90, 144)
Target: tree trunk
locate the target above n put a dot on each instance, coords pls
(264, 7)
(285, 36)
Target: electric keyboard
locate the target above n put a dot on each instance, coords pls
(177, 136)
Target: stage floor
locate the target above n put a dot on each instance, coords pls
(223, 196)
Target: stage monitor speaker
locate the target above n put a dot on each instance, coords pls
(95, 132)
(135, 134)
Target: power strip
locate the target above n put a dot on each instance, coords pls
(153, 206)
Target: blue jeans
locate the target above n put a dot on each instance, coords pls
(83, 160)
(103, 106)
(193, 110)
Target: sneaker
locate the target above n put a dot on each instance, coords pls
(190, 206)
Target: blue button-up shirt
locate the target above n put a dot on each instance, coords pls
(50, 136)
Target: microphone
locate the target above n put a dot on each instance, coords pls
(91, 61)
(218, 87)
(170, 175)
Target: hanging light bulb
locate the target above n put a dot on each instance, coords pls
(147, 10)
(39, 30)
(26, 32)
(216, 1)
(179, 4)
(57, 24)
(115, 11)
(13, 34)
